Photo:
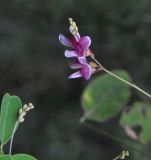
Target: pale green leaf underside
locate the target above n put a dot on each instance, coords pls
(9, 113)
(105, 97)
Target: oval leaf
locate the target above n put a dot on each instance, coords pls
(105, 97)
(9, 113)
(17, 157)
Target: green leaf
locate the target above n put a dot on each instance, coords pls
(139, 115)
(17, 157)
(1, 152)
(9, 113)
(5, 157)
(22, 157)
(105, 97)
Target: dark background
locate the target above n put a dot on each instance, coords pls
(33, 66)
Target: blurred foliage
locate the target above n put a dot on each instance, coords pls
(105, 97)
(139, 115)
(32, 65)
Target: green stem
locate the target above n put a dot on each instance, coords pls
(1, 150)
(111, 136)
(128, 83)
(121, 79)
(12, 138)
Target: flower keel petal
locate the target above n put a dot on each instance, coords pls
(82, 60)
(75, 75)
(86, 71)
(69, 54)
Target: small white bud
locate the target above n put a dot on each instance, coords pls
(20, 110)
(25, 106)
(30, 105)
(27, 109)
(23, 114)
(21, 119)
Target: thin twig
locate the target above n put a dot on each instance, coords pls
(11, 141)
(121, 79)
(116, 158)
(111, 136)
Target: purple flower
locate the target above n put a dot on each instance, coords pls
(84, 68)
(80, 45)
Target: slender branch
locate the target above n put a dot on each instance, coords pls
(1, 149)
(111, 136)
(116, 158)
(128, 83)
(121, 79)
(11, 141)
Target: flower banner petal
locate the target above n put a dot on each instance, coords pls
(65, 41)
(85, 42)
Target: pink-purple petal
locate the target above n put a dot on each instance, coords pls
(75, 75)
(82, 60)
(86, 71)
(70, 54)
(85, 42)
(65, 41)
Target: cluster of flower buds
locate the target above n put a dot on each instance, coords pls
(124, 154)
(80, 46)
(23, 111)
